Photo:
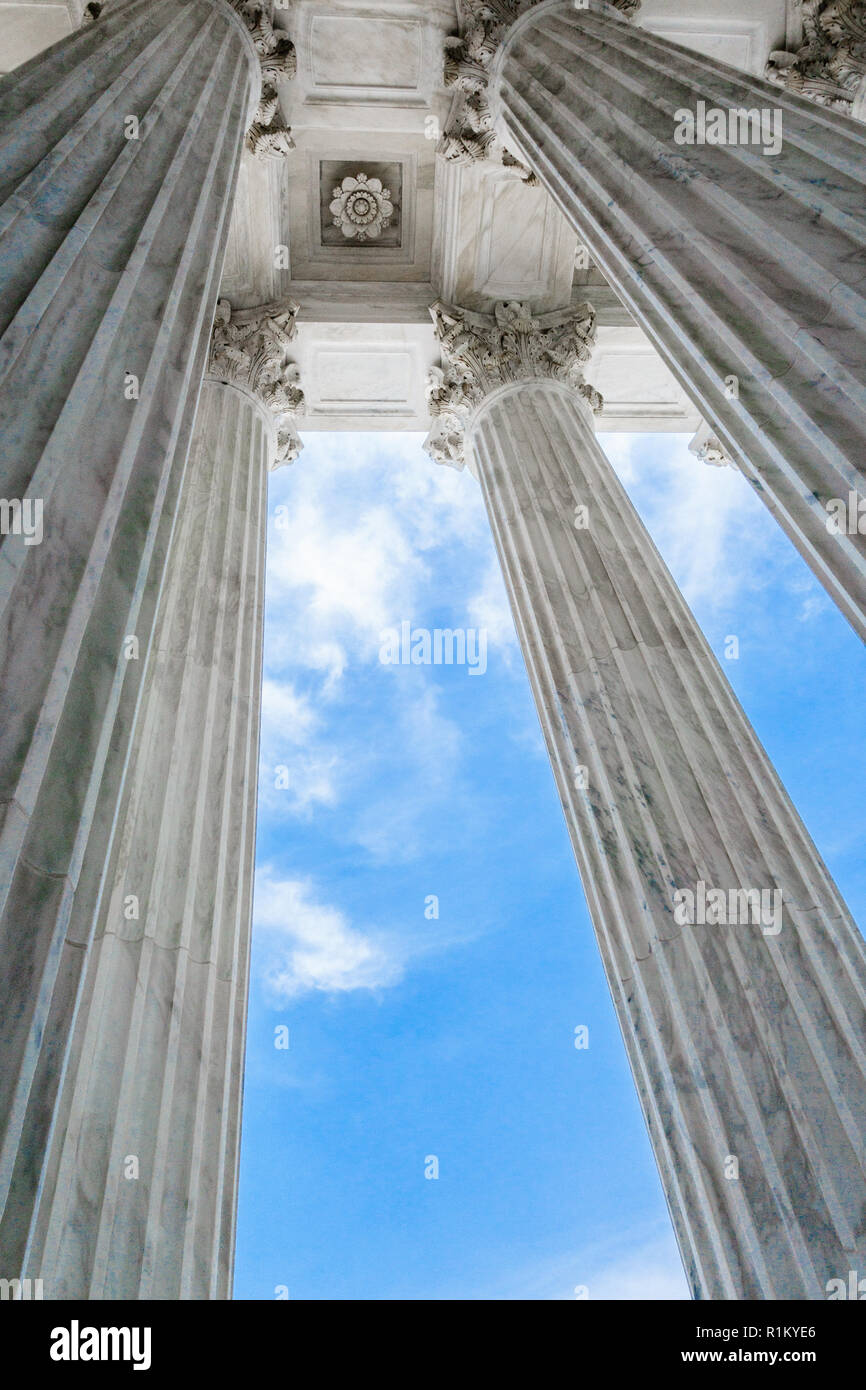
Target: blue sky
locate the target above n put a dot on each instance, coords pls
(412, 1036)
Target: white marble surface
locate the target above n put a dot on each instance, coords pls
(744, 269)
(156, 1061)
(110, 257)
(497, 239)
(737, 1044)
(744, 1044)
(27, 28)
(357, 374)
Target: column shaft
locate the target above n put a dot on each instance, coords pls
(746, 269)
(155, 1068)
(119, 155)
(745, 1044)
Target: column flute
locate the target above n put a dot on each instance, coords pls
(730, 217)
(737, 973)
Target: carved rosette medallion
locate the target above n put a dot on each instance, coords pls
(830, 67)
(254, 356)
(362, 208)
(482, 352)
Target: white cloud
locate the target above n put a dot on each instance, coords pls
(645, 1266)
(347, 580)
(489, 608)
(285, 712)
(620, 452)
(310, 779)
(440, 504)
(340, 569)
(699, 516)
(308, 945)
(329, 657)
(653, 1271)
(289, 726)
(394, 828)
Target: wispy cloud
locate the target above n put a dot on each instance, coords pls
(394, 829)
(651, 1270)
(697, 515)
(341, 570)
(489, 608)
(344, 578)
(306, 944)
(298, 772)
(642, 1264)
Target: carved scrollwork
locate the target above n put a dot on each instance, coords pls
(830, 66)
(481, 352)
(468, 134)
(268, 137)
(254, 356)
(706, 446)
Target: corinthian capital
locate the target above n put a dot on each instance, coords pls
(253, 356)
(469, 135)
(706, 446)
(268, 137)
(830, 67)
(482, 352)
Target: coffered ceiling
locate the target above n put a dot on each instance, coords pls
(367, 104)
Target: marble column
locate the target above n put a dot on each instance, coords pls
(745, 1030)
(119, 155)
(742, 260)
(137, 1193)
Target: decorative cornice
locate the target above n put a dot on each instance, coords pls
(830, 67)
(268, 137)
(469, 133)
(253, 355)
(482, 353)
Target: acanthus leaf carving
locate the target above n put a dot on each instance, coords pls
(482, 352)
(830, 66)
(253, 355)
(468, 135)
(268, 137)
(707, 447)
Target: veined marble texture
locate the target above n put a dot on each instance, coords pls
(747, 1042)
(744, 268)
(158, 158)
(119, 156)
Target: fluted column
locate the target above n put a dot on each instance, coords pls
(746, 1040)
(743, 260)
(119, 155)
(138, 1191)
